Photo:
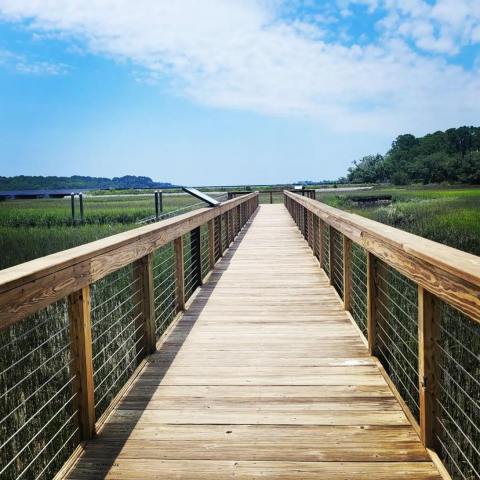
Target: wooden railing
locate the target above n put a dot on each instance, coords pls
(76, 326)
(417, 303)
(273, 196)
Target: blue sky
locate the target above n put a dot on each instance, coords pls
(228, 91)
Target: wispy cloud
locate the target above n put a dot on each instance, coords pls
(244, 54)
(22, 64)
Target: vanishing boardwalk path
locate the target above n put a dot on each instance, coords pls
(263, 377)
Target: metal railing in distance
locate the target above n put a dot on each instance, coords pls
(77, 325)
(418, 305)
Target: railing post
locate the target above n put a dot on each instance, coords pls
(271, 196)
(211, 243)
(179, 273)
(197, 257)
(227, 226)
(82, 365)
(371, 303)
(321, 226)
(428, 336)
(347, 274)
(143, 271)
(218, 231)
(330, 253)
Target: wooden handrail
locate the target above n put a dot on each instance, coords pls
(30, 286)
(132, 324)
(450, 274)
(441, 276)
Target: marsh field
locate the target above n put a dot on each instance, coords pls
(448, 215)
(33, 228)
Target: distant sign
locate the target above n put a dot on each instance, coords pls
(202, 196)
(298, 187)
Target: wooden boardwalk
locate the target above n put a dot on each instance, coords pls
(264, 377)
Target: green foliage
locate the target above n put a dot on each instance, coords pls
(450, 156)
(447, 215)
(24, 182)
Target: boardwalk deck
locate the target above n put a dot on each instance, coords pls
(263, 377)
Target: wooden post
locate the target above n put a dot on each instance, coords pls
(428, 336)
(196, 253)
(179, 273)
(211, 244)
(330, 253)
(271, 196)
(321, 226)
(82, 365)
(347, 272)
(218, 232)
(371, 303)
(143, 271)
(227, 226)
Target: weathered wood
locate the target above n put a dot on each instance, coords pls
(428, 336)
(371, 304)
(331, 246)
(263, 377)
(347, 271)
(179, 273)
(33, 285)
(211, 244)
(196, 255)
(82, 366)
(145, 313)
(452, 275)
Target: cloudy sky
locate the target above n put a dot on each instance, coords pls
(228, 91)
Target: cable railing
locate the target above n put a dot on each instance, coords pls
(417, 303)
(77, 326)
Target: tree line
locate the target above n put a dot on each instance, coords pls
(25, 182)
(449, 156)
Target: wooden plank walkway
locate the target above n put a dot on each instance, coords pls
(263, 377)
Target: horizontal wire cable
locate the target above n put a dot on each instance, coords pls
(63, 349)
(117, 365)
(46, 445)
(24, 401)
(34, 350)
(122, 317)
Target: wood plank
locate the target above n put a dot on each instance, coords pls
(264, 377)
(30, 286)
(81, 336)
(449, 273)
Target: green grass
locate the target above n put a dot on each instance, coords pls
(33, 228)
(447, 215)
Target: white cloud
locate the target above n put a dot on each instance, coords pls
(443, 26)
(27, 66)
(241, 54)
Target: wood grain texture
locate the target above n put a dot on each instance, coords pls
(33, 285)
(263, 377)
(450, 274)
(81, 345)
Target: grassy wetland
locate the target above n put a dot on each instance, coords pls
(448, 215)
(38, 405)
(33, 228)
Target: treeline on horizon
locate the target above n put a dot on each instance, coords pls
(25, 182)
(451, 156)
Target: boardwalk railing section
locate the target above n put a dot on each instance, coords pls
(417, 303)
(76, 326)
